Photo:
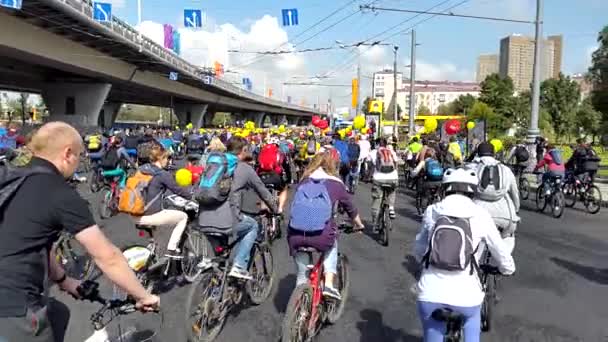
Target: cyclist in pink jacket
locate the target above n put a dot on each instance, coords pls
(553, 163)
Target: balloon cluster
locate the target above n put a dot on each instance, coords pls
(319, 123)
(249, 125)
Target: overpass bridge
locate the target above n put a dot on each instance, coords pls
(85, 70)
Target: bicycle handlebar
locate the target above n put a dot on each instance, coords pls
(89, 290)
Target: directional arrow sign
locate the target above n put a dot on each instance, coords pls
(102, 11)
(290, 17)
(15, 4)
(193, 18)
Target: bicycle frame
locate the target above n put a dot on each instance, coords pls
(315, 278)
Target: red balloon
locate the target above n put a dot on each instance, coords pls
(349, 134)
(323, 124)
(315, 120)
(452, 126)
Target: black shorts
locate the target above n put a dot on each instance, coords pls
(273, 179)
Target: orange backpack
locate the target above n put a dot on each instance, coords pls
(133, 197)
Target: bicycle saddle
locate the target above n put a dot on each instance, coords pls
(308, 250)
(447, 315)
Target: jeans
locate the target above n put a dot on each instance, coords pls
(302, 259)
(178, 219)
(249, 227)
(353, 175)
(434, 330)
(548, 175)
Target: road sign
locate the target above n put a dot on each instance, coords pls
(102, 11)
(15, 4)
(290, 17)
(247, 83)
(193, 18)
(207, 79)
(173, 76)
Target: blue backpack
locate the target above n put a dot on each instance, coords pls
(342, 147)
(434, 171)
(216, 180)
(311, 208)
(556, 155)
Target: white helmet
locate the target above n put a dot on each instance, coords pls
(460, 180)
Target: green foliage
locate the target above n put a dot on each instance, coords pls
(598, 74)
(424, 110)
(222, 119)
(463, 104)
(560, 98)
(587, 119)
(365, 105)
(445, 109)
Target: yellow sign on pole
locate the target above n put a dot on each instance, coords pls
(376, 106)
(355, 85)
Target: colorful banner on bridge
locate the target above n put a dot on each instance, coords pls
(177, 46)
(168, 41)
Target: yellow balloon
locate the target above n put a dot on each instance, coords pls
(282, 129)
(310, 133)
(359, 122)
(364, 130)
(189, 126)
(430, 125)
(470, 125)
(183, 177)
(245, 133)
(497, 145)
(342, 133)
(348, 129)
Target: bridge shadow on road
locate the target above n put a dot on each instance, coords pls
(284, 290)
(372, 328)
(594, 274)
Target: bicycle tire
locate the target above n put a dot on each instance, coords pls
(262, 271)
(524, 188)
(383, 229)
(596, 201)
(94, 181)
(105, 210)
(203, 285)
(71, 260)
(570, 195)
(541, 199)
(193, 251)
(557, 204)
(487, 306)
(334, 312)
(300, 299)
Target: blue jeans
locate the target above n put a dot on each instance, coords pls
(548, 175)
(434, 330)
(353, 175)
(330, 263)
(250, 228)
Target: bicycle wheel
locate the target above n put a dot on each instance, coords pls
(385, 222)
(74, 260)
(261, 269)
(205, 316)
(593, 199)
(419, 206)
(570, 195)
(524, 188)
(105, 205)
(557, 204)
(95, 180)
(193, 251)
(487, 304)
(541, 199)
(297, 314)
(335, 309)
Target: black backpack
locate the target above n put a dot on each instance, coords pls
(521, 154)
(110, 159)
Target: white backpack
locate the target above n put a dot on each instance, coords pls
(491, 185)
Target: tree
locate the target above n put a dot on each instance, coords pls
(221, 119)
(23, 97)
(424, 110)
(365, 105)
(445, 109)
(463, 104)
(497, 92)
(587, 120)
(598, 74)
(560, 98)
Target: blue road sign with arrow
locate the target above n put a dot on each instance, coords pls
(290, 17)
(15, 4)
(102, 11)
(193, 18)
(173, 76)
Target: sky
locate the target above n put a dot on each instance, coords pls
(448, 47)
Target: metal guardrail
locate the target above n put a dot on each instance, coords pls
(146, 45)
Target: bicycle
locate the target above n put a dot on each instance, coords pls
(489, 280)
(89, 290)
(454, 323)
(307, 309)
(110, 192)
(151, 268)
(434, 195)
(385, 223)
(555, 196)
(585, 190)
(219, 294)
(522, 182)
(75, 261)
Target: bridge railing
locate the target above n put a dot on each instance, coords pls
(146, 45)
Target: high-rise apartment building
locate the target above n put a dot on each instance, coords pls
(486, 65)
(517, 59)
(383, 87)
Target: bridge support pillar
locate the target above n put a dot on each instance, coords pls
(78, 104)
(108, 114)
(191, 113)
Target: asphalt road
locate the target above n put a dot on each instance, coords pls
(557, 294)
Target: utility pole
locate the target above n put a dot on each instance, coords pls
(412, 85)
(358, 83)
(538, 39)
(138, 12)
(395, 105)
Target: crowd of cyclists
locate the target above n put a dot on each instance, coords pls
(469, 206)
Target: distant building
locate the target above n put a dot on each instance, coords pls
(517, 59)
(486, 65)
(584, 84)
(433, 94)
(383, 85)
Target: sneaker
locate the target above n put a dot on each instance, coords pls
(331, 293)
(391, 213)
(237, 272)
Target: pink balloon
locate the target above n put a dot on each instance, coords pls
(323, 124)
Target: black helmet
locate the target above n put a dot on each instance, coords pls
(485, 149)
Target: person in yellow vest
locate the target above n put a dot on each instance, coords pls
(454, 149)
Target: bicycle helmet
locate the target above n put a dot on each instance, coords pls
(460, 180)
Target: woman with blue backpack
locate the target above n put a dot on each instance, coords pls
(312, 222)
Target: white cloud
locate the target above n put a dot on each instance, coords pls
(441, 72)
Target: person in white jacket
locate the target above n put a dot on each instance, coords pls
(458, 290)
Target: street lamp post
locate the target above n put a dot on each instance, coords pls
(538, 37)
(138, 12)
(395, 105)
(412, 108)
